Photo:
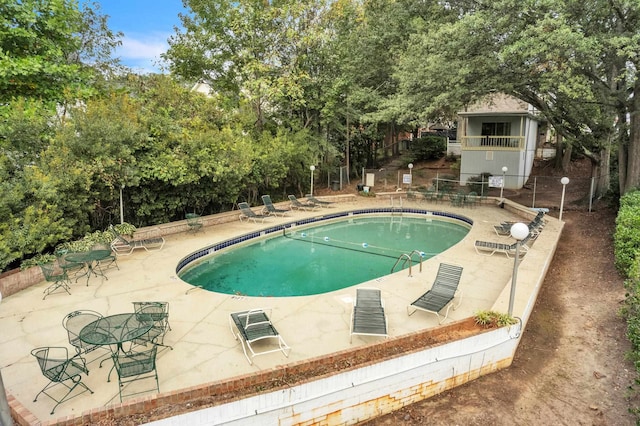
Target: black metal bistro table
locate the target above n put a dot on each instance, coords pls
(115, 329)
(89, 259)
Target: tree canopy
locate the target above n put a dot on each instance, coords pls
(293, 84)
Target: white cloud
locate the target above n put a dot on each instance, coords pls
(142, 51)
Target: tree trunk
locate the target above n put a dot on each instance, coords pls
(566, 157)
(632, 178)
(559, 150)
(601, 171)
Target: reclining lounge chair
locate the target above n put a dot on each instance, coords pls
(248, 214)
(297, 204)
(488, 248)
(441, 294)
(123, 246)
(270, 209)
(315, 201)
(254, 326)
(535, 225)
(368, 317)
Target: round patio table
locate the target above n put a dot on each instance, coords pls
(89, 259)
(115, 329)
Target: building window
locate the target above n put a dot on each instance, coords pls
(494, 129)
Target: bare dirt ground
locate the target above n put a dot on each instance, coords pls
(570, 367)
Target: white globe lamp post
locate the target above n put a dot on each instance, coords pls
(312, 168)
(564, 181)
(519, 231)
(504, 172)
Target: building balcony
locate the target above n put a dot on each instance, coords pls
(495, 143)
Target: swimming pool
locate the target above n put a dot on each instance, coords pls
(305, 260)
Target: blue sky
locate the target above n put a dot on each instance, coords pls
(146, 24)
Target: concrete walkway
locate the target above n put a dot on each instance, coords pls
(204, 348)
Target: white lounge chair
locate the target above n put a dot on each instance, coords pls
(270, 209)
(122, 246)
(313, 200)
(441, 294)
(249, 214)
(297, 204)
(255, 326)
(368, 317)
(488, 248)
(535, 225)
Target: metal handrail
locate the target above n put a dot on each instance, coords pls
(398, 261)
(409, 258)
(393, 204)
(419, 253)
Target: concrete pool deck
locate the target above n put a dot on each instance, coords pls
(204, 348)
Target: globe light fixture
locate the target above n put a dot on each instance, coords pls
(504, 172)
(564, 181)
(519, 231)
(312, 168)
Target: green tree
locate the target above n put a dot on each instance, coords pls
(25, 133)
(253, 51)
(576, 62)
(36, 41)
(52, 50)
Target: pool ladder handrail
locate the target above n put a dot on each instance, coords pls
(409, 258)
(393, 204)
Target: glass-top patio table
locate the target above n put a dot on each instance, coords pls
(115, 330)
(89, 258)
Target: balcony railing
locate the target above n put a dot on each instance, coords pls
(498, 143)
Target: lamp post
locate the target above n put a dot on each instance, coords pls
(5, 413)
(121, 206)
(519, 231)
(504, 172)
(564, 181)
(312, 168)
(410, 175)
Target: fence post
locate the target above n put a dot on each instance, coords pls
(535, 184)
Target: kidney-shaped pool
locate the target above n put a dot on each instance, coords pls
(326, 255)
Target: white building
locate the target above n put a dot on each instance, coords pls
(500, 131)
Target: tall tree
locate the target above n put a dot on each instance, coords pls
(51, 50)
(36, 41)
(575, 61)
(245, 49)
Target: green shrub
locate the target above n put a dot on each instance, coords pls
(490, 319)
(626, 249)
(445, 183)
(125, 228)
(479, 184)
(36, 260)
(627, 232)
(83, 244)
(429, 147)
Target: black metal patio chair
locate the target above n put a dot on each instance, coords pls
(61, 371)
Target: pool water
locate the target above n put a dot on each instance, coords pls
(328, 257)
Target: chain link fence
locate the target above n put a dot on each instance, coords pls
(538, 192)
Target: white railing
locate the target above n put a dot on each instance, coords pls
(506, 143)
